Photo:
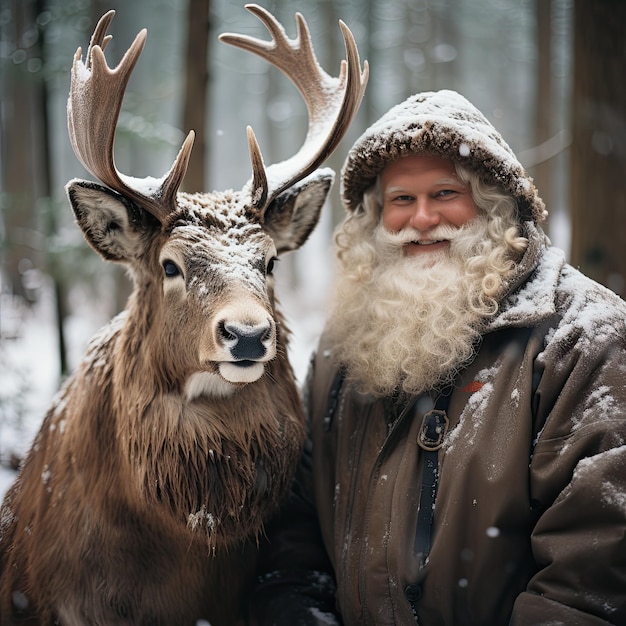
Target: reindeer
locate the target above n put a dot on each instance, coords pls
(145, 491)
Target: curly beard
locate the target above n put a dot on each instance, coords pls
(409, 323)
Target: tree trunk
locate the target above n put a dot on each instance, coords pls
(195, 104)
(543, 170)
(21, 88)
(598, 165)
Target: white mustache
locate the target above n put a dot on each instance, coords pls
(409, 234)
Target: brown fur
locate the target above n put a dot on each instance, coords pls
(144, 493)
(136, 504)
(85, 519)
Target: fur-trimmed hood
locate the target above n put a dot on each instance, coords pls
(443, 123)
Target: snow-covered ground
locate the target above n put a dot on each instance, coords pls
(30, 369)
(29, 375)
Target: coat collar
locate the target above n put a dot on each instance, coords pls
(531, 298)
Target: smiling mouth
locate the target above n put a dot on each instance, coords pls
(425, 243)
(428, 242)
(426, 246)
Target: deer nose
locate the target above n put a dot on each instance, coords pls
(246, 343)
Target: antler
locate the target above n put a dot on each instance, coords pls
(331, 102)
(93, 108)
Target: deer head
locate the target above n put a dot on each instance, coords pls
(202, 263)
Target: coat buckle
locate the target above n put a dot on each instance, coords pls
(433, 430)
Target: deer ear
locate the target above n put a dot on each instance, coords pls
(293, 214)
(113, 225)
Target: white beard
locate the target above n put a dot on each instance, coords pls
(409, 323)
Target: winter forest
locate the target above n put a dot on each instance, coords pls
(549, 74)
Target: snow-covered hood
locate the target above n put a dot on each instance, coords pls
(536, 255)
(532, 301)
(443, 123)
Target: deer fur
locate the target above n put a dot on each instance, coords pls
(147, 487)
(144, 491)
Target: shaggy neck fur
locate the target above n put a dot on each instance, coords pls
(216, 465)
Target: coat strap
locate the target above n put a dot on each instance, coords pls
(430, 439)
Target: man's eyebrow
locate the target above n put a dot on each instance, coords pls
(394, 189)
(450, 181)
(438, 183)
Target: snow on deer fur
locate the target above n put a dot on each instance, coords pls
(149, 482)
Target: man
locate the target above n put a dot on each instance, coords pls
(467, 402)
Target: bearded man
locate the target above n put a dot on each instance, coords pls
(467, 402)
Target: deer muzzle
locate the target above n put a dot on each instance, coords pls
(247, 342)
(243, 340)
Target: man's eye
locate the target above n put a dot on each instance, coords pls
(171, 269)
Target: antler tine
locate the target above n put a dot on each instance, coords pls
(99, 37)
(93, 109)
(332, 102)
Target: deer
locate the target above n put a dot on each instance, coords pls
(147, 487)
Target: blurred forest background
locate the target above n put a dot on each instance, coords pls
(549, 74)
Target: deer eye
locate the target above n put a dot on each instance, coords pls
(270, 265)
(171, 269)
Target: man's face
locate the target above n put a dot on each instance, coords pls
(424, 193)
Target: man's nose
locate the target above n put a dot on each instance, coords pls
(425, 215)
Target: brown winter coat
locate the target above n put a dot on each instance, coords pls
(530, 516)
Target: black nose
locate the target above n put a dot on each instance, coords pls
(245, 342)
